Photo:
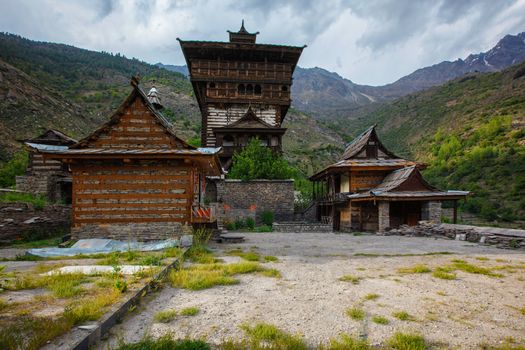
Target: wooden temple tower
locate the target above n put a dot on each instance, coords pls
(243, 90)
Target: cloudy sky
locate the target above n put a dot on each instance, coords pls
(369, 42)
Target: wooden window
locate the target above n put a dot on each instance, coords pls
(241, 89)
(257, 89)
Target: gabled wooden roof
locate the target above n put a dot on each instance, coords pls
(406, 184)
(249, 120)
(359, 143)
(52, 137)
(137, 92)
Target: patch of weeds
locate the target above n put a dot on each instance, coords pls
(501, 347)
(271, 273)
(121, 285)
(165, 316)
(401, 255)
(242, 267)
(270, 258)
(65, 285)
(166, 343)
(360, 269)
(172, 252)
(419, 268)
(264, 228)
(249, 256)
(3, 304)
(350, 278)
(357, 234)
(403, 316)
(200, 254)
(469, 268)
(91, 308)
(442, 293)
(190, 311)
(380, 320)
(151, 260)
(200, 279)
(355, 313)
(131, 255)
(268, 336)
(482, 258)
(31, 333)
(404, 341)
(371, 296)
(444, 275)
(346, 342)
(201, 236)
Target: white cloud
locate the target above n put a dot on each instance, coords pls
(370, 42)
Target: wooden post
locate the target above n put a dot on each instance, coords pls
(455, 219)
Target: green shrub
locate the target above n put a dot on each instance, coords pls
(250, 223)
(267, 218)
(16, 166)
(239, 224)
(264, 228)
(202, 235)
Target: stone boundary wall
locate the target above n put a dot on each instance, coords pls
(301, 227)
(149, 231)
(500, 237)
(238, 199)
(23, 221)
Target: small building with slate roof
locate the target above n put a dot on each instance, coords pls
(134, 178)
(47, 177)
(372, 189)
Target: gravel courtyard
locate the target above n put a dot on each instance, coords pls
(310, 299)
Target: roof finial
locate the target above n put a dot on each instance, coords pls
(135, 79)
(242, 30)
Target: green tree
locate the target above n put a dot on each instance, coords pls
(259, 162)
(16, 166)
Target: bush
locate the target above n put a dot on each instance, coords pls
(16, 166)
(239, 223)
(250, 223)
(267, 218)
(202, 235)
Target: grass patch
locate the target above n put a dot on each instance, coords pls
(469, 268)
(271, 273)
(165, 316)
(31, 333)
(166, 343)
(270, 258)
(92, 308)
(65, 285)
(46, 242)
(404, 341)
(403, 316)
(380, 320)
(419, 268)
(3, 305)
(444, 275)
(371, 296)
(268, 336)
(346, 342)
(190, 311)
(249, 256)
(355, 313)
(201, 255)
(203, 276)
(482, 258)
(401, 255)
(350, 278)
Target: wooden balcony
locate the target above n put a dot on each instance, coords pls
(333, 198)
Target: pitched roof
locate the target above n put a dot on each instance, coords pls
(392, 187)
(137, 92)
(357, 144)
(396, 178)
(52, 137)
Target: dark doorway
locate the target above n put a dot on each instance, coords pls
(404, 213)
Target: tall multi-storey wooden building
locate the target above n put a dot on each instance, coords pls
(243, 90)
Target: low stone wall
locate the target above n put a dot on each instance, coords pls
(238, 199)
(150, 231)
(300, 227)
(504, 238)
(23, 221)
(33, 184)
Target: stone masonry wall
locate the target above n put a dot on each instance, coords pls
(240, 199)
(384, 215)
(431, 211)
(32, 184)
(24, 221)
(150, 231)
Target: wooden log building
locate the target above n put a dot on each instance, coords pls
(372, 189)
(134, 178)
(47, 177)
(242, 88)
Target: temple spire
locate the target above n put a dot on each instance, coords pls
(243, 36)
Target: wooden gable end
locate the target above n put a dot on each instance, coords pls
(135, 125)
(372, 148)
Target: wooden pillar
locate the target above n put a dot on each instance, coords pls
(455, 218)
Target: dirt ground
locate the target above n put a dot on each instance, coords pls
(310, 300)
